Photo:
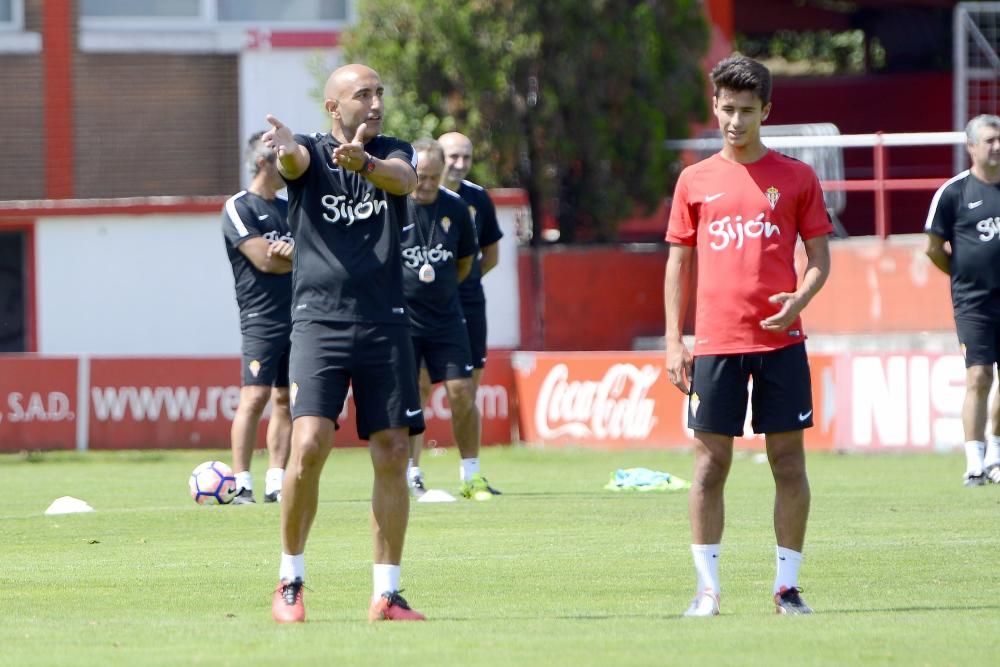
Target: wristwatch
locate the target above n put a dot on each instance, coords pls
(369, 165)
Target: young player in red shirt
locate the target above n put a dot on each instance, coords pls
(736, 216)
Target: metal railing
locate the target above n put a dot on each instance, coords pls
(879, 142)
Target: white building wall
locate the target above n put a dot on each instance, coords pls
(278, 82)
(162, 285)
(503, 302)
(134, 285)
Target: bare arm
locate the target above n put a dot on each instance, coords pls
(464, 265)
(293, 158)
(939, 252)
(268, 257)
(676, 295)
(816, 273)
(491, 255)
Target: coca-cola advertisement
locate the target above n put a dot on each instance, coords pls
(624, 399)
(613, 399)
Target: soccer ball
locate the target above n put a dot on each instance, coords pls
(213, 483)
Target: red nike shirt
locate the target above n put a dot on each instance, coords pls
(744, 220)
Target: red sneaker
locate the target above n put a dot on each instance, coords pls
(286, 606)
(392, 607)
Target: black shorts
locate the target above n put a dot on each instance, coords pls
(445, 353)
(265, 357)
(376, 359)
(475, 324)
(782, 392)
(980, 340)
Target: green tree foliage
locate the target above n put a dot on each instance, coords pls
(789, 52)
(569, 99)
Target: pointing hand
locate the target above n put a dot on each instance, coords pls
(352, 156)
(279, 138)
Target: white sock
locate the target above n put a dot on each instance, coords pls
(274, 479)
(992, 451)
(975, 451)
(413, 472)
(469, 468)
(385, 579)
(788, 569)
(706, 565)
(244, 480)
(292, 567)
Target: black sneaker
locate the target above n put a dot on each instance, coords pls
(974, 478)
(788, 601)
(244, 497)
(417, 487)
(273, 497)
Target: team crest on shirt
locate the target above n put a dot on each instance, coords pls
(772, 195)
(694, 402)
(293, 391)
(254, 367)
(446, 224)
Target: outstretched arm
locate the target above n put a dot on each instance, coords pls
(293, 158)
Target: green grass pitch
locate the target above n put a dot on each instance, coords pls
(901, 567)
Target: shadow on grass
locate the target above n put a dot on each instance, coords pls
(75, 457)
(885, 610)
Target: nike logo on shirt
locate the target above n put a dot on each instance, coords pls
(409, 227)
(413, 413)
(711, 198)
(469, 367)
(804, 415)
(975, 204)
(263, 217)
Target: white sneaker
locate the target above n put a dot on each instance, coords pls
(705, 603)
(992, 473)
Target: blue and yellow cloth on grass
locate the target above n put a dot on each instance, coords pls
(644, 479)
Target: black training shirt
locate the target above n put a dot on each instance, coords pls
(965, 211)
(259, 295)
(438, 234)
(346, 238)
